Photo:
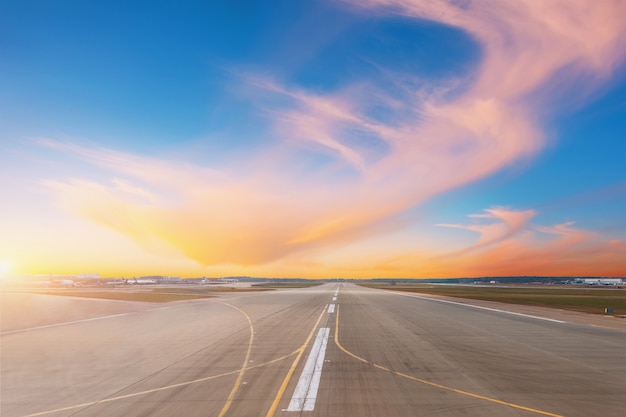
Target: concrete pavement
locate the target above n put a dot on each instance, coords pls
(348, 350)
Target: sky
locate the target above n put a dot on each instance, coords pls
(315, 139)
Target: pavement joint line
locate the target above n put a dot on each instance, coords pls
(181, 384)
(292, 369)
(167, 387)
(305, 394)
(434, 384)
(65, 323)
(135, 394)
(477, 307)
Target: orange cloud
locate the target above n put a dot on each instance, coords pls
(510, 245)
(572, 253)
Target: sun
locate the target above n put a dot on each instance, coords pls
(5, 267)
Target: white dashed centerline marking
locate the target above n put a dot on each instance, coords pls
(305, 394)
(331, 308)
(334, 298)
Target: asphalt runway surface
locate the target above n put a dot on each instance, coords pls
(331, 350)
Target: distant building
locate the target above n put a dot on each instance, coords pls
(600, 281)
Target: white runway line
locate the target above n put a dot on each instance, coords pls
(64, 323)
(334, 298)
(483, 308)
(331, 308)
(305, 394)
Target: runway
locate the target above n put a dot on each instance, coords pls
(332, 350)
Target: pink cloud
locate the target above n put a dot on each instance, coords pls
(262, 208)
(504, 224)
(525, 43)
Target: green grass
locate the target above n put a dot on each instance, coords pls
(576, 299)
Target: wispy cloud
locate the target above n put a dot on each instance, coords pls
(525, 44)
(504, 223)
(364, 167)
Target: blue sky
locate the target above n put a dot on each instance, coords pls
(377, 138)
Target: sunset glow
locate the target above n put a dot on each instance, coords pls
(5, 268)
(380, 138)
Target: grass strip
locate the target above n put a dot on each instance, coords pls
(575, 299)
